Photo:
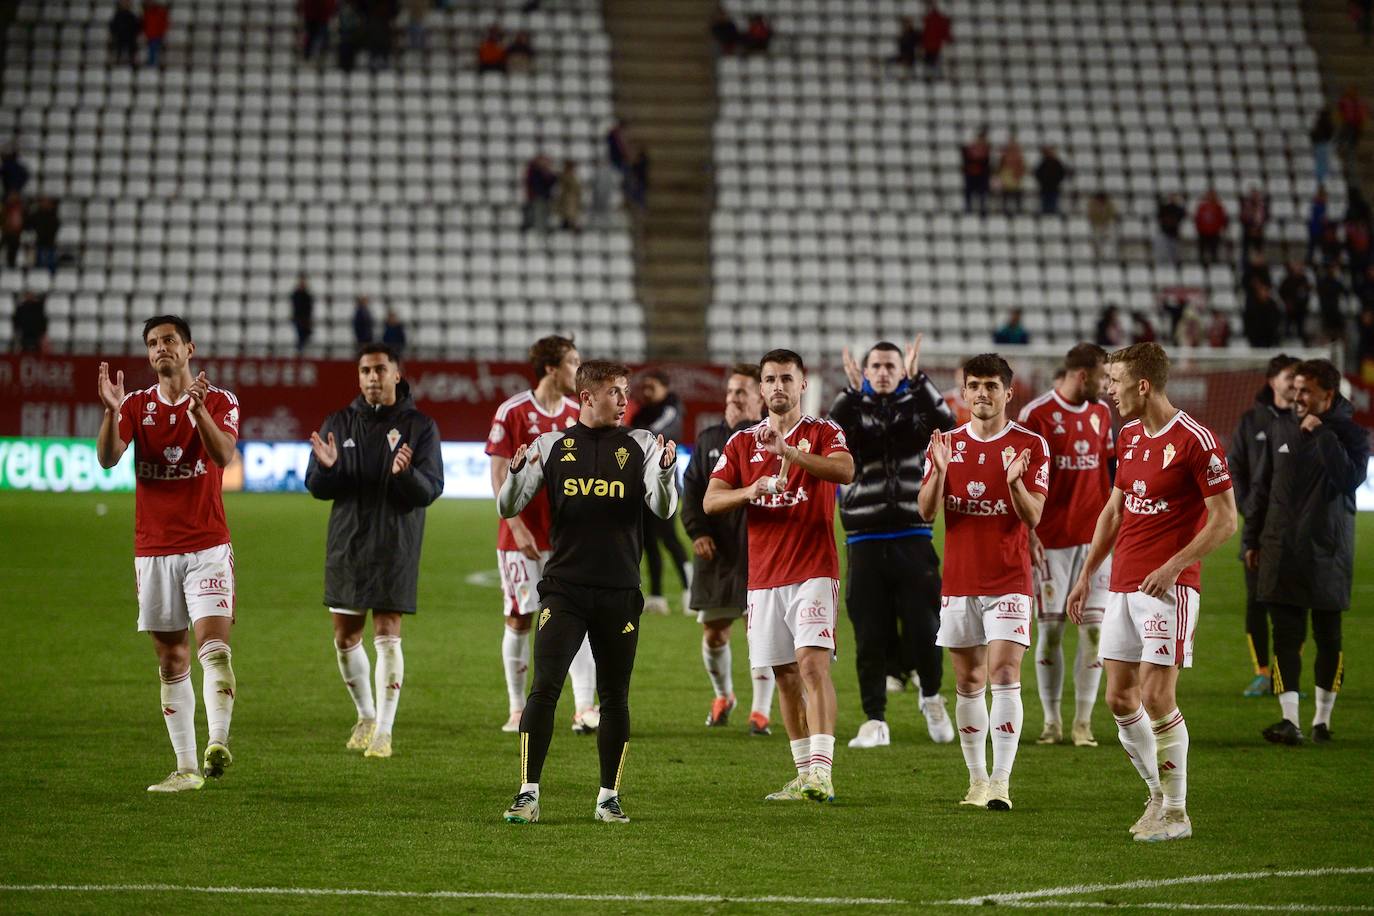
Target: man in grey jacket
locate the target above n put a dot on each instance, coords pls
(1302, 538)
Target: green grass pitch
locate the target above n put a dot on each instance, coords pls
(81, 738)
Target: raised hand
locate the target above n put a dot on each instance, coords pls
(940, 450)
(111, 393)
(326, 452)
(1018, 467)
(402, 459)
(198, 390)
(913, 356)
(518, 460)
(772, 440)
(852, 370)
(669, 454)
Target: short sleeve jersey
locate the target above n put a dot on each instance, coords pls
(178, 506)
(987, 548)
(1165, 480)
(1080, 440)
(792, 532)
(519, 421)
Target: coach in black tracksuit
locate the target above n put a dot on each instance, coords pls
(894, 573)
(1248, 444)
(598, 477)
(1302, 541)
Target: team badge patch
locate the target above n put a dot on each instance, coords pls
(543, 618)
(1008, 456)
(1168, 454)
(1095, 422)
(622, 455)
(393, 437)
(1138, 488)
(172, 453)
(976, 488)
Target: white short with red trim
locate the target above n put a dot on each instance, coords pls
(790, 617)
(176, 590)
(520, 581)
(1065, 565)
(975, 620)
(1138, 628)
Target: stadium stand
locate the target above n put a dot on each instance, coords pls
(839, 187)
(206, 187)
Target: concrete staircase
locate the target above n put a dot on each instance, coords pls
(1344, 59)
(664, 74)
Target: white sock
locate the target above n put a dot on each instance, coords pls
(357, 677)
(1325, 700)
(515, 658)
(1288, 702)
(583, 674)
(822, 753)
(217, 688)
(391, 674)
(605, 794)
(971, 716)
(530, 787)
(717, 660)
(1135, 735)
(1049, 668)
(801, 754)
(763, 690)
(179, 712)
(1087, 673)
(1171, 743)
(1005, 722)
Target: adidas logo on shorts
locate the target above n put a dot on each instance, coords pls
(1162, 650)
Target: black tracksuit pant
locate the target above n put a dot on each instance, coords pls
(609, 619)
(1256, 620)
(662, 531)
(1290, 632)
(894, 584)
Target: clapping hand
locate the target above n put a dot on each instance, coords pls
(326, 452)
(111, 393)
(940, 450)
(402, 460)
(913, 356)
(852, 370)
(1018, 467)
(198, 390)
(669, 454)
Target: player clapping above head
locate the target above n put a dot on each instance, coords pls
(991, 477)
(183, 431)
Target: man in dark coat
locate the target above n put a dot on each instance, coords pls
(661, 413)
(887, 413)
(1304, 545)
(378, 459)
(1246, 457)
(720, 543)
(302, 312)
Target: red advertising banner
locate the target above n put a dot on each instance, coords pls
(285, 399)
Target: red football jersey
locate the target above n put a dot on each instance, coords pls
(1165, 479)
(1080, 440)
(792, 533)
(178, 506)
(987, 548)
(519, 421)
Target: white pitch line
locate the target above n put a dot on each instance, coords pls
(438, 895)
(1074, 889)
(1156, 905)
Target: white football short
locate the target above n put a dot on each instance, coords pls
(1138, 628)
(176, 590)
(520, 581)
(1065, 565)
(790, 617)
(975, 620)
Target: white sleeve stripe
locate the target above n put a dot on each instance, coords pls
(1031, 405)
(1200, 431)
(228, 394)
(1041, 439)
(508, 404)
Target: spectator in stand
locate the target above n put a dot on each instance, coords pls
(350, 35)
(908, 43)
(1357, 230)
(1354, 114)
(1322, 133)
(1011, 175)
(394, 332)
(30, 322)
(1104, 220)
(1316, 222)
(1012, 332)
(1142, 331)
(637, 180)
(1331, 293)
(14, 175)
(1110, 333)
(43, 219)
(569, 205)
(758, 34)
(520, 53)
(977, 158)
(1254, 217)
(618, 146)
(1295, 292)
(316, 15)
(1219, 332)
(491, 51)
(302, 312)
(417, 11)
(124, 28)
(724, 30)
(1255, 268)
(156, 19)
(540, 179)
(1330, 244)
(1050, 175)
(379, 32)
(1210, 220)
(1175, 308)
(12, 218)
(362, 322)
(604, 186)
(1364, 348)
(1263, 318)
(1169, 217)
(936, 32)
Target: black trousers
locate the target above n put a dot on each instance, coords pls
(894, 584)
(1290, 632)
(609, 619)
(662, 531)
(1256, 620)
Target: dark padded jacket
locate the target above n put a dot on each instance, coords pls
(1248, 444)
(662, 419)
(888, 435)
(722, 581)
(372, 558)
(1304, 506)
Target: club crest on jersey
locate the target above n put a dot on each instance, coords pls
(804, 445)
(543, 618)
(570, 449)
(393, 437)
(1168, 453)
(1095, 422)
(1082, 446)
(1138, 488)
(976, 488)
(172, 453)
(622, 455)
(1008, 456)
